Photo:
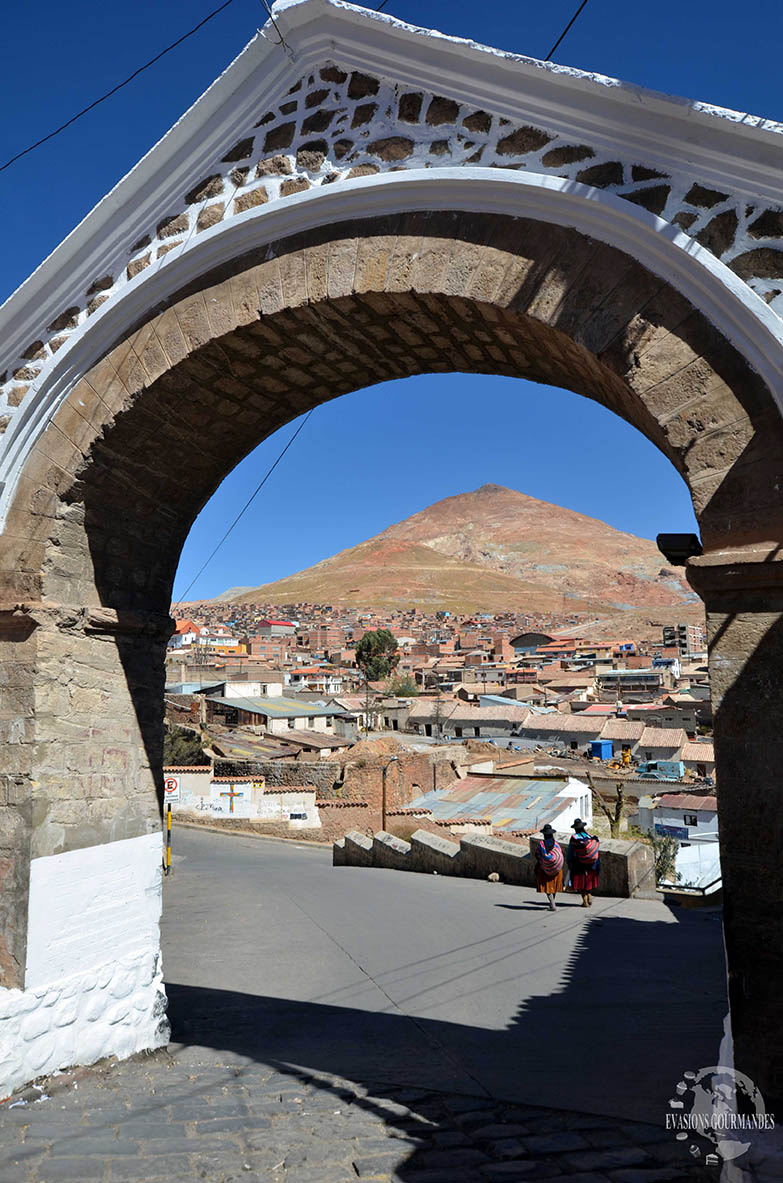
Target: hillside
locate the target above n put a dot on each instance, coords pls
(491, 550)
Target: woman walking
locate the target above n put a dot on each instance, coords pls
(549, 866)
(584, 863)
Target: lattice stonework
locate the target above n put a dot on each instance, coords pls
(335, 125)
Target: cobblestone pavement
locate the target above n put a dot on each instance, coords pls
(172, 1116)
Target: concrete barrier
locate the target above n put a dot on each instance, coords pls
(430, 852)
(358, 850)
(479, 856)
(392, 853)
(626, 867)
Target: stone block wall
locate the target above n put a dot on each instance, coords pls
(626, 867)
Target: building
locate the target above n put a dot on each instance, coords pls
(684, 816)
(275, 715)
(661, 743)
(266, 629)
(442, 718)
(699, 758)
(555, 730)
(513, 804)
(623, 734)
(693, 822)
(686, 638)
(633, 685)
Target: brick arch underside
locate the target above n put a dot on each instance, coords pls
(143, 441)
(110, 490)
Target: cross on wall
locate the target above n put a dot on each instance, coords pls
(231, 794)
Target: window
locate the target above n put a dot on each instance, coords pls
(690, 819)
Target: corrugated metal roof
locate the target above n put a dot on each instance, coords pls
(688, 801)
(512, 803)
(277, 708)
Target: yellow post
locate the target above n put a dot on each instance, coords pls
(168, 838)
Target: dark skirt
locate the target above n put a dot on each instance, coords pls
(584, 879)
(550, 886)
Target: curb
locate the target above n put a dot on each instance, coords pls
(304, 842)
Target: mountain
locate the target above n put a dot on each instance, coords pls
(491, 550)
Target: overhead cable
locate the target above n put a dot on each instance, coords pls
(114, 89)
(282, 40)
(244, 509)
(549, 56)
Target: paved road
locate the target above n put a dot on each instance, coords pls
(366, 972)
(331, 1024)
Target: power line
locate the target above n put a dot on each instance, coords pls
(114, 89)
(282, 40)
(548, 57)
(244, 509)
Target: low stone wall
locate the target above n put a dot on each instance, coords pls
(626, 867)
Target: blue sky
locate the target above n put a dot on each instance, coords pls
(375, 456)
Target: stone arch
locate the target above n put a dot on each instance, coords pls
(109, 491)
(138, 406)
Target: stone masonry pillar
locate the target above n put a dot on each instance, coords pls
(80, 836)
(744, 601)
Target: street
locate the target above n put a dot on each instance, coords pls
(335, 1023)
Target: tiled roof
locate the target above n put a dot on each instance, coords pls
(187, 767)
(469, 820)
(622, 729)
(702, 753)
(560, 724)
(663, 737)
(334, 804)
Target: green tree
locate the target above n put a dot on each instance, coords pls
(665, 855)
(376, 654)
(181, 746)
(403, 686)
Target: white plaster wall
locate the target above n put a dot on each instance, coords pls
(94, 982)
(279, 807)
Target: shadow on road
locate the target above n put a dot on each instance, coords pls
(636, 1002)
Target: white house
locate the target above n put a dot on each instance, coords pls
(255, 689)
(684, 816)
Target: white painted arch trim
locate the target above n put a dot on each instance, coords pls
(726, 301)
(729, 150)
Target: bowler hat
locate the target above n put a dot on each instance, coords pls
(578, 824)
(547, 829)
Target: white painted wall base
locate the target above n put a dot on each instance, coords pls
(94, 981)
